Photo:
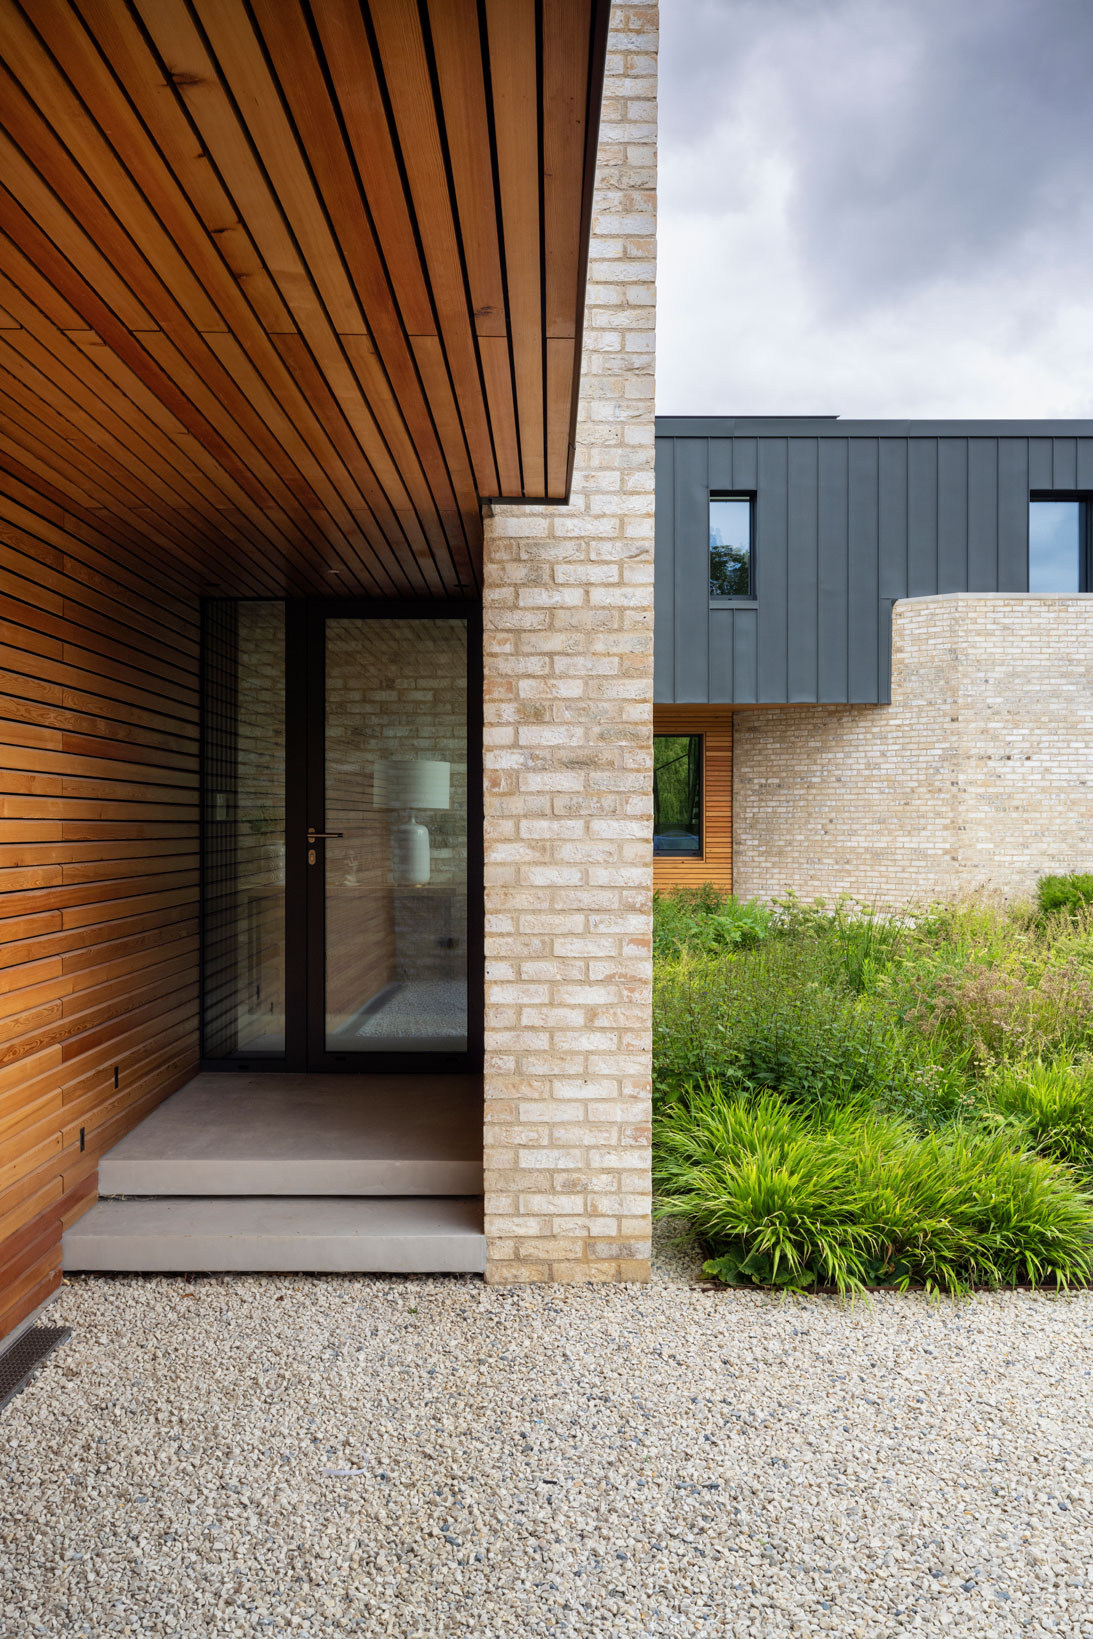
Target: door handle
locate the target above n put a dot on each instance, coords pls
(321, 836)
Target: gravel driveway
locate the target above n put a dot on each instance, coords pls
(326, 1455)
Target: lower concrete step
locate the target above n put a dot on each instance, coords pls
(315, 1235)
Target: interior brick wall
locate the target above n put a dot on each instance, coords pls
(395, 689)
(977, 777)
(568, 662)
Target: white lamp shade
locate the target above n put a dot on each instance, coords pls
(404, 782)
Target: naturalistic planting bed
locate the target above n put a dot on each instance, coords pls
(849, 1100)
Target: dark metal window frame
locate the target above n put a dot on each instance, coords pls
(1084, 498)
(684, 853)
(304, 907)
(721, 600)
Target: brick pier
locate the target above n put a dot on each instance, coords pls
(568, 662)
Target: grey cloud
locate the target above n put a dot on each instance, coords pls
(925, 136)
(983, 141)
(917, 149)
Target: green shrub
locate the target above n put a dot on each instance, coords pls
(1053, 1105)
(845, 1197)
(1064, 893)
(704, 919)
(761, 1021)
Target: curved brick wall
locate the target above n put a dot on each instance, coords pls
(979, 775)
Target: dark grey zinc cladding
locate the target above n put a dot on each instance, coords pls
(849, 516)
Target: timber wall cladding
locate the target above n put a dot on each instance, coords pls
(98, 874)
(714, 723)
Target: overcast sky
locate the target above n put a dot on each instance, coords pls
(876, 207)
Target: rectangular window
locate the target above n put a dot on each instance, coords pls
(1058, 544)
(731, 573)
(677, 795)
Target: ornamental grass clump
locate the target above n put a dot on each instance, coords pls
(1052, 1105)
(847, 1197)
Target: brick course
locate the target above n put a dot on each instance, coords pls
(568, 671)
(978, 776)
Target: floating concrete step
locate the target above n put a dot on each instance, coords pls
(261, 1134)
(313, 1235)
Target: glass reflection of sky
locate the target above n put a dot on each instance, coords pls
(1054, 543)
(730, 523)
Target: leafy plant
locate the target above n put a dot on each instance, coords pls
(761, 1021)
(932, 1083)
(1064, 893)
(846, 1197)
(703, 919)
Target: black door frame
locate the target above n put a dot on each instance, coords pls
(305, 907)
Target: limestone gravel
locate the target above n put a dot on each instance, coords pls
(329, 1455)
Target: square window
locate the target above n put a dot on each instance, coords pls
(1058, 544)
(731, 573)
(677, 795)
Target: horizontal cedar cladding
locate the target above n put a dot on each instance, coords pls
(288, 287)
(98, 867)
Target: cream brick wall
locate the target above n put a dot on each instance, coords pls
(979, 775)
(568, 660)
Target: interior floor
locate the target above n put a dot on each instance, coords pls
(427, 1007)
(412, 1015)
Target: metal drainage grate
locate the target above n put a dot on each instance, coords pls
(22, 1360)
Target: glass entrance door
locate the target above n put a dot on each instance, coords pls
(388, 841)
(341, 836)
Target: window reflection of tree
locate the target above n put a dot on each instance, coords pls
(677, 782)
(730, 571)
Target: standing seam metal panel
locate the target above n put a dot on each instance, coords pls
(850, 516)
(664, 602)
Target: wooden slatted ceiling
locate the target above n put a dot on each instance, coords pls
(288, 287)
(98, 869)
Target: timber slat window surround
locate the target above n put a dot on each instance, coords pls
(302, 278)
(712, 862)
